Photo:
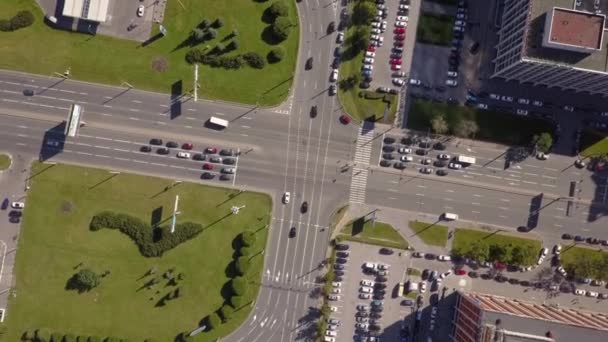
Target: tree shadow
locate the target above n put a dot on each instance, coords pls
(188, 42)
(268, 37)
(226, 291)
(268, 17)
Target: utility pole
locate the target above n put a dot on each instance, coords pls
(195, 82)
(175, 213)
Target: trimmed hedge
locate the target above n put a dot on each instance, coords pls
(21, 20)
(152, 242)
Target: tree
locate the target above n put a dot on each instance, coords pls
(85, 280)
(43, 335)
(219, 22)
(226, 312)
(281, 28)
(211, 33)
(220, 48)
(479, 251)
(248, 238)
(69, 338)
(359, 40)
(350, 82)
(245, 251)
(277, 54)
(543, 142)
(519, 255)
(213, 321)
(364, 13)
(278, 9)
(238, 285)
(237, 301)
(198, 35)
(242, 265)
(234, 44)
(204, 24)
(499, 253)
(439, 125)
(234, 33)
(466, 128)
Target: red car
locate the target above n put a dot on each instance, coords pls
(400, 37)
(211, 150)
(396, 67)
(398, 43)
(461, 272)
(187, 146)
(399, 30)
(207, 166)
(371, 48)
(395, 61)
(345, 119)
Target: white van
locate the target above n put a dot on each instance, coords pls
(450, 216)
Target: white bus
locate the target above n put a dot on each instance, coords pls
(73, 122)
(218, 123)
(466, 160)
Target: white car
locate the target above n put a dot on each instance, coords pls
(228, 170)
(422, 286)
(336, 291)
(400, 24)
(445, 274)
(592, 294)
(407, 159)
(455, 166)
(523, 112)
(398, 82)
(332, 89)
(17, 205)
(580, 292)
(451, 82)
(459, 23)
(544, 252)
(444, 258)
(415, 82)
(368, 60)
(402, 18)
(383, 26)
(399, 74)
(370, 54)
(368, 67)
(361, 326)
(459, 28)
(376, 24)
(366, 282)
(140, 10)
(542, 156)
(336, 284)
(333, 309)
(540, 260)
(562, 271)
(332, 326)
(334, 75)
(523, 101)
(286, 197)
(461, 16)
(482, 106)
(506, 98)
(557, 249)
(404, 150)
(537, 103)
(365, 295)
(376, 31)
(340, 38)
(495, 97)
(383, 266)
(365, 289)
(404, 7)
(452, 74)
(184, 155)
(569, 108)
(375, 37)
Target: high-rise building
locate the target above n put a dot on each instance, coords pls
(555, 43)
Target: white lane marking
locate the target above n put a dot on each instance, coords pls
(557, 225)
(123, 141)
(550, 177)
(475, 212)
(134, 110)
(10, 91)
(140, 161)
(160, 123)
(107, 106)
(158, 164)
(191, 110)
(549, 185)
(527, 182)
(135, 101)
(67, 91)
(416, 194)
(494, 176)
(560, 209)
(164, 106)
(83, 144)
(530, 174)
(133, 118)
(48, 97)
(108, 97)
(515, 176)
(392, 198)
(550, 169)
(9, 100)
(475, 203)
(120, 150)
(102, 156)
(125, 159)
(81, 93)
(190, 118)
(476, 195)
(512, 180)
(22, 135)
(503, 208)
(393, 190)
(505, 200)
(84, 153)
(103, 138)
(188, 126)
(475, 173)
(448, 199)
(222, 114)
(448, 190)
(244, 126)
(64, 99)
(106, 114)
(502, 216)
(21, 126)
(422, 186)
(394, 182)
(21, 144)
(103, 147)
(244, 135)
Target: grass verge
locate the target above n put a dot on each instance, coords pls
(430, 233)
(413, 271)
(493, 126)
(5, 162)
(435, 29)
(55, 242)
(593, 144)
(585, 262)
(337, 217)
(382, 234)
(161, 64)
(493, 246)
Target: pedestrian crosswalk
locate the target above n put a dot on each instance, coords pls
(363, 152)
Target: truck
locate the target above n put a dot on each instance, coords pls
(466, 160)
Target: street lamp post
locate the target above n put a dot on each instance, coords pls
(235, 209)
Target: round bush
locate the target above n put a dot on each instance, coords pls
(237, 301)
(281, 28)
(238, 285)
(213, 321)
(43, 335)
(248, 238)
(242, 265)
(56, 337)
(69, 338)
(244, 251)
(226, 312)
(277, 54)
(278, 9)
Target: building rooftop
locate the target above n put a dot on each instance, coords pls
(525, 321)
(579, 29)
(94, 10)
(541, 11)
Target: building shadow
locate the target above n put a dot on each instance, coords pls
(176, 99)
(53, 142)
(152, 39)
(156, 217)
(534, 211)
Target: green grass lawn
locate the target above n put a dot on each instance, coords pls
(464, 239)
(55, 239)
(593, 144)
(382, 234)
(493, 126)
(42, 50)
(431, 234)
(5, 162)
(435, 29)
(413, 271)
(585, 262)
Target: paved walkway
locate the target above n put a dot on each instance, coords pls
(363, 151)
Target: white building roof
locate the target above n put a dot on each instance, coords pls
(94, 10)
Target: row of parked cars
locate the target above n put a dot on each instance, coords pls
(458, 35)
(14, 216)
(590, 240)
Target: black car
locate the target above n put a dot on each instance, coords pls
(335, 64)
(342, 254)
(145, 148)
(342, 247)
(162, 150)
(313, 111)
(28, 92)
(566, 236)
(513, 281)
(14, 219)
(378, 297)
(523, 229)
(292, 232)
(5, 204)
(593, 241)
(441, 173)
(388, 148)
(229, 161)
(308, 65)
(407, 302)
(15, 213)
(338, 260)
(380, 286)
(425, 274)
(385, 163)
(172, 144)
(579, 238)
(156, 141)
(473, 274)
(375, 315)
(207, 175)
(304, 207)
(199, 156)
(377, 308)
(430, 256)
(227, 152)
(331, 27)
(389, 140)
(225, 177)
(422, 152)
(399, 166)
(381, 279)
(386, 251)
(364, 85)
(500, 278)
(388, 156)
(440, 163)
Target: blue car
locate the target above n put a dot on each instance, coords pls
(579, 238)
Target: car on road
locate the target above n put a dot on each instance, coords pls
(183, 155)
(345, 119)
(461, 272)
(580, 292)
(17, 205)
(225, 177)
(333, 297)
(398, 82)
(207, 166)
(579, 238)
(566, 236)
(145, 148)
(365, 289)
(542, 156)
(229, 170)
(304, 207)
(187, 146)
(444, 156)
(568, 108)
(523, 112)
(342, 247)
(313, 111)
(404, 150)
(451, 82)
(140, 10)
(399, 30)
(418, 255)
(537, 103)
(286, 197)
(455, 166)
(211, 150)
(523, 101)
(292, 233)
(426, 170)
(332, 89)
(386, 251)
(557, 249)
(444, 258)
(441, 173)
(156, 141)
(340, 38)
(171, 144)
(309, 62)
(406, 159)
(334, 75)
(415, 82)
(506, 98)
(162, 150)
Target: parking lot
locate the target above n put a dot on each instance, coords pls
(387, 319)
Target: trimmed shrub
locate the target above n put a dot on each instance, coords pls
(28, 335)
(20, 20)
(278, 9)
(234, 44)
(254, 60)
(244, 251)
(94, 339)
(152, 242)
(248, 238)
(69, 338)
(238, 285)
(276, 55)
(242, 265)
(194, 56)
(219, 48)
(237, 301)
(204, 24)
(42, 335)
(83, 281)
(81, 339)
(281, 28)
(198, 35)
(5, 25)
(56, 337)
(213, 321)
(219, 22)
(211, 33)
(226, 312)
